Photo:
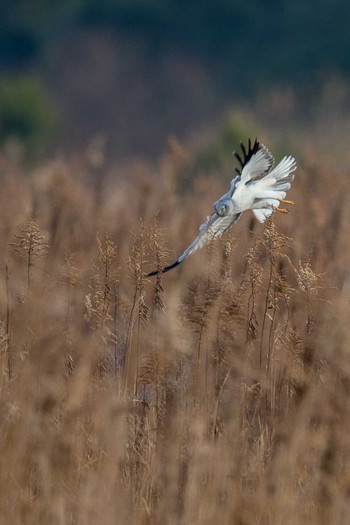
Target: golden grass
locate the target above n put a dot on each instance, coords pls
(217, 393)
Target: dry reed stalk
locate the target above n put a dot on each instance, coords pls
(138, 309)
(161, 253)
(252, 280)
(8, 329)
(31, 244)
(101, 302)
(69, 279)
(310, 283)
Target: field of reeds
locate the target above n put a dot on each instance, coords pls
(216, 393)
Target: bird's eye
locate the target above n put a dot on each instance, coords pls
(222, 209)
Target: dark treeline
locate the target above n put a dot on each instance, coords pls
(139, 71)
(286, 41)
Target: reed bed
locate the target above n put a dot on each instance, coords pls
(217, 393)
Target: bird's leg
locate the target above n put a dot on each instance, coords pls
(284, 210)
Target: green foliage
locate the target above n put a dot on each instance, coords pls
(215, 152)
(27, 113)
(234, 129)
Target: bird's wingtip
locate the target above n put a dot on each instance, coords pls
(165, 269)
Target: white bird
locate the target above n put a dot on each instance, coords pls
(258, 186)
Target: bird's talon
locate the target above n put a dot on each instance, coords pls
(286, 202)
(282, 210)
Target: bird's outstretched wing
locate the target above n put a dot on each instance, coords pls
(254, 162)
(213, 228)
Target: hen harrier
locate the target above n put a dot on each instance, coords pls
(257, 186)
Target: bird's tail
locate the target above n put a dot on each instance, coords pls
(272, 188)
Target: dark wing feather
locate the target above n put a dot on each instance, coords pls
(247, 154)
(165, 269)
(239, 160)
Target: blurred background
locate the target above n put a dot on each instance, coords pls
(133, 73)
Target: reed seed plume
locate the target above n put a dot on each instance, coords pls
(156, 238)
(30, 244)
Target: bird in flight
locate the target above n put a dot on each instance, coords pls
(257, 186)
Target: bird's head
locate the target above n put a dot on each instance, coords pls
(223, 207)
